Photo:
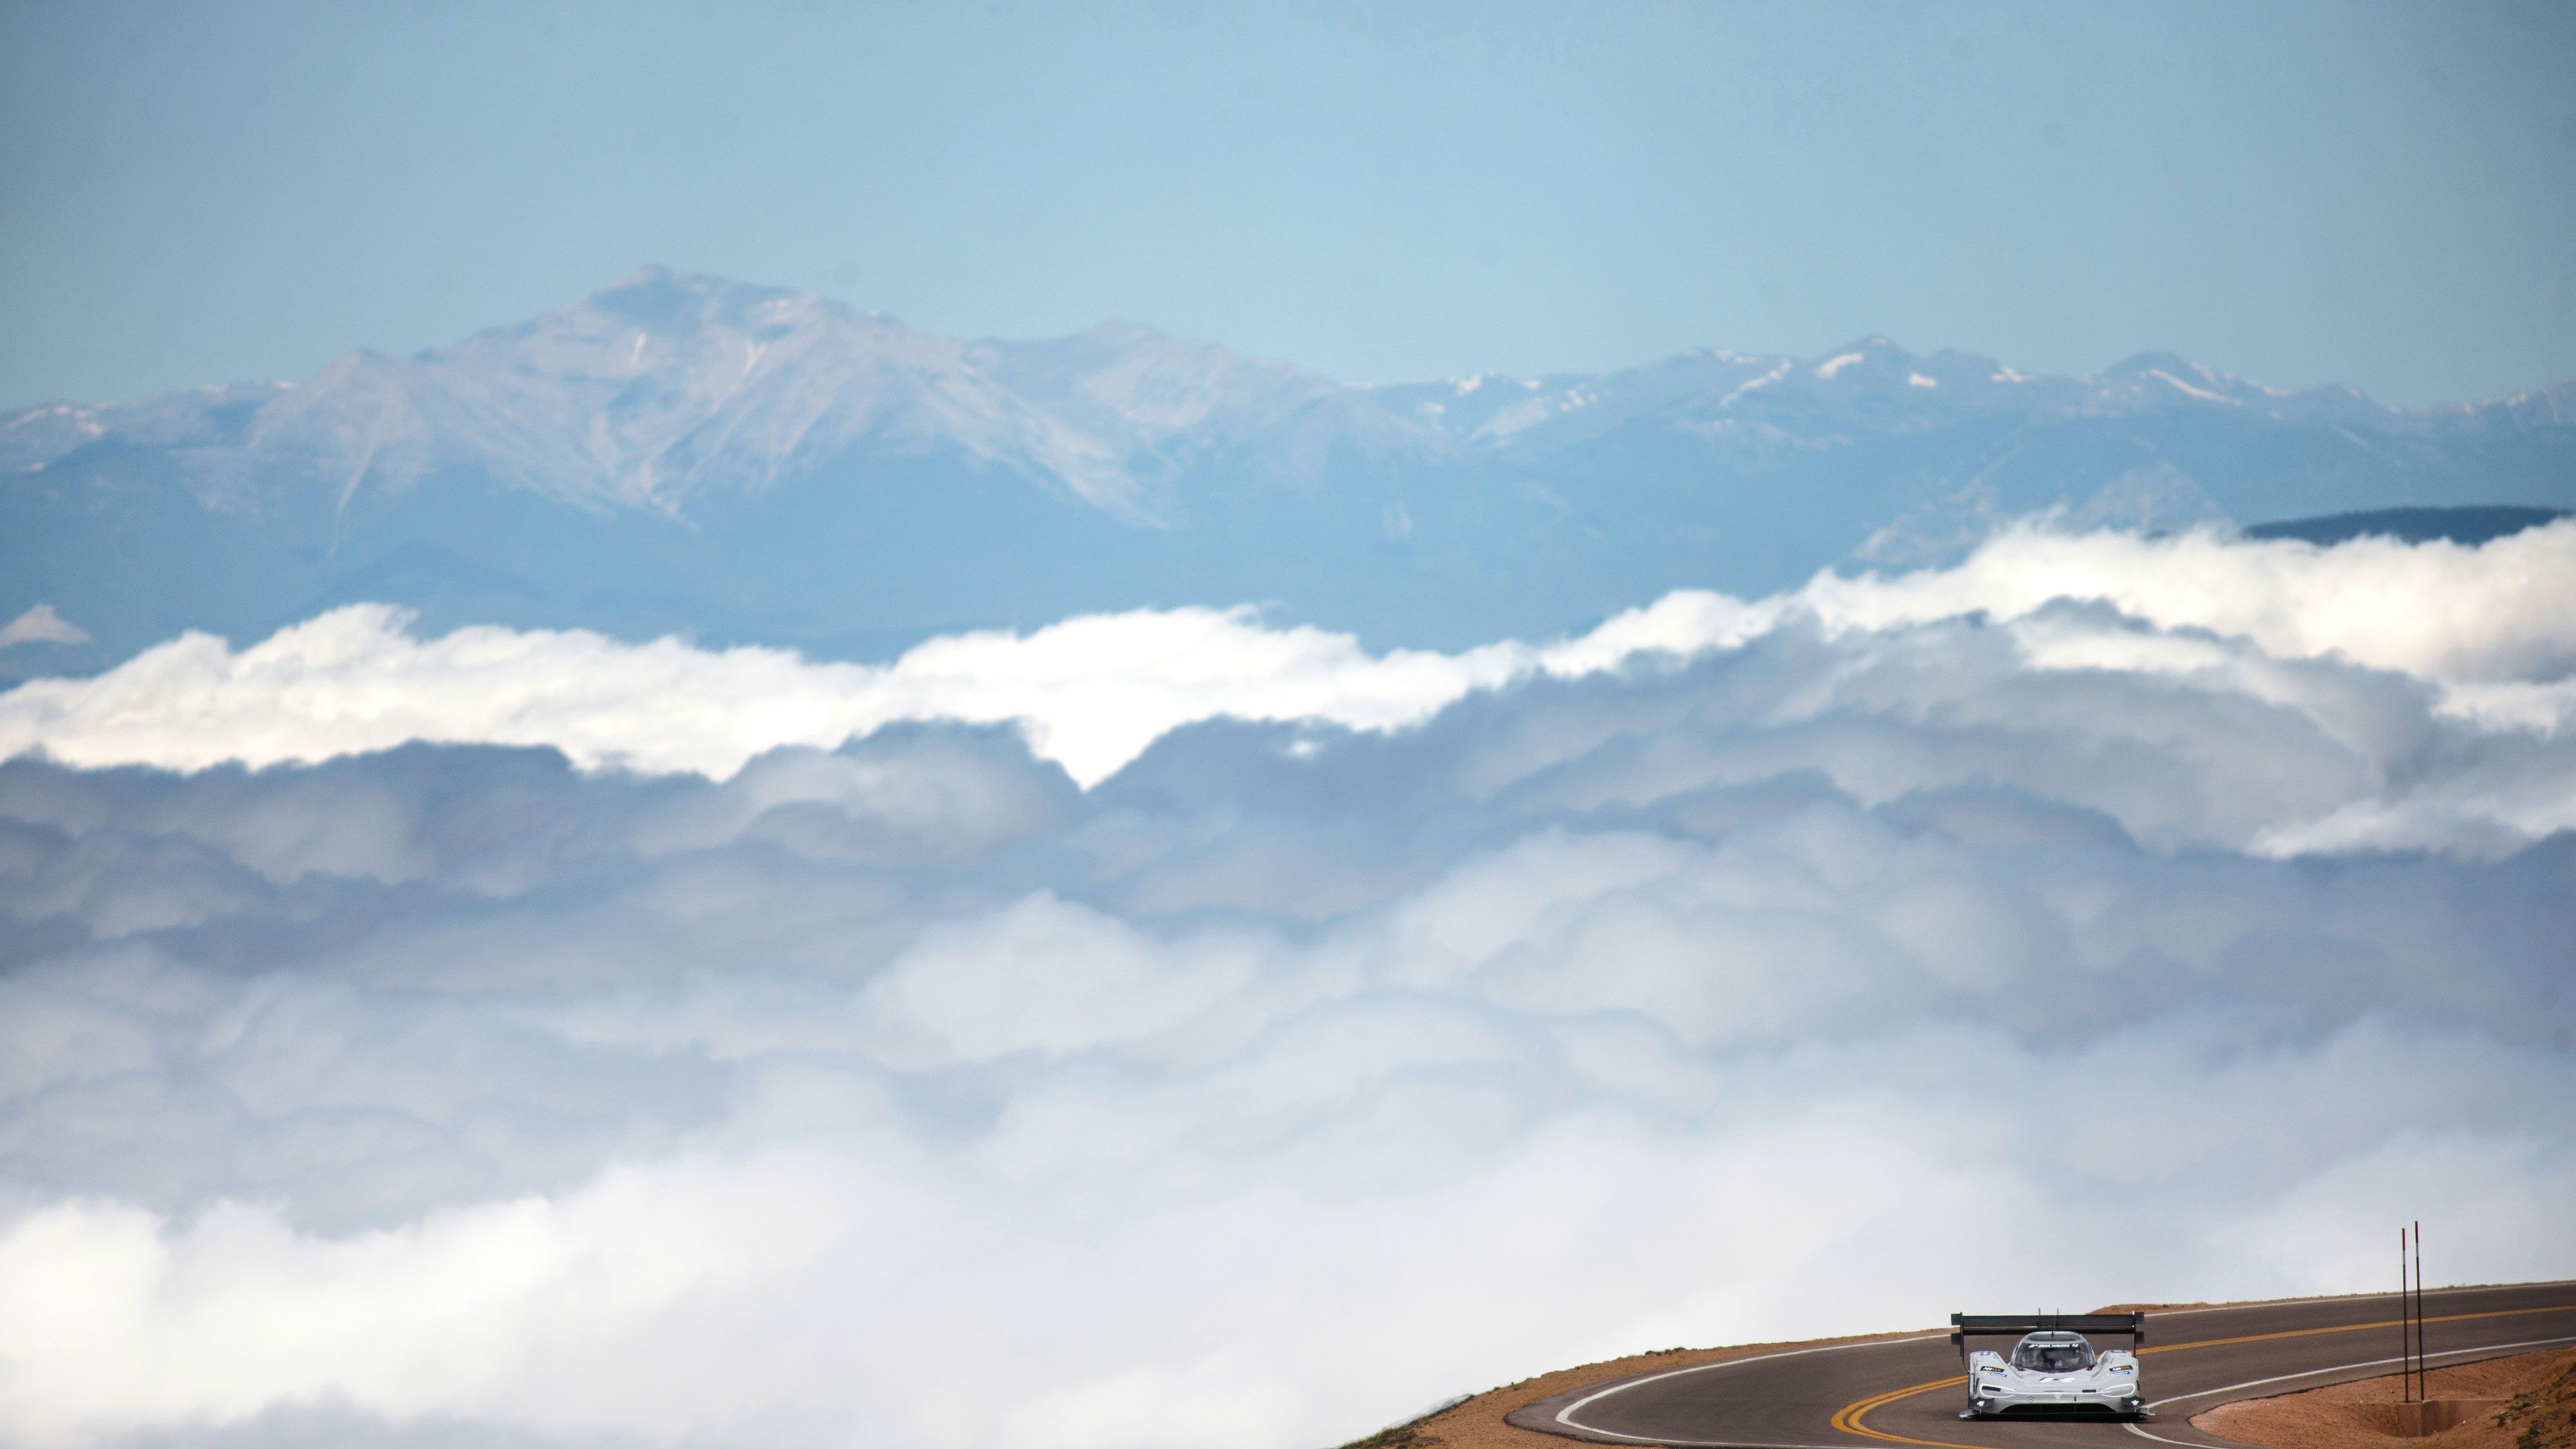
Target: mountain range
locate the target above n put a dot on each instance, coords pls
(680, 452)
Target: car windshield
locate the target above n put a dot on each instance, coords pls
(2053, 1356)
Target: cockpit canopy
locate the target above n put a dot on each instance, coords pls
(2053, 1353)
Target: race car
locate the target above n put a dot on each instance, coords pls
(2054, 1368)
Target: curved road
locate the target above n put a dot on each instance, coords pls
(1909, 1391)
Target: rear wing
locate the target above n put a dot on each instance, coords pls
(1965, 1326)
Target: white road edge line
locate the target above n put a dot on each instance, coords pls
(2492, 1348)
(1563, 1416)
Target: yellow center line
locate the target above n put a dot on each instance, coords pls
(1848, 1417)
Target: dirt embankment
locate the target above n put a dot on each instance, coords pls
(2524, 1402)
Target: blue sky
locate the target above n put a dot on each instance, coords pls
(2372, 194)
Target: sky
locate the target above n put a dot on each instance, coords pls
(2372, 194)
(1186, 1025)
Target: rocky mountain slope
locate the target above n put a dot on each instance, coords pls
(684, 452)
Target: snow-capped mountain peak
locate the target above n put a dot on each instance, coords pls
(666, 387)
(675, 449)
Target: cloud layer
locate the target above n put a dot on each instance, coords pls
(2490, 625)
(1371, 1028)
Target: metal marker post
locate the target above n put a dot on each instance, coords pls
(2422, 1367)
(2405, 1327)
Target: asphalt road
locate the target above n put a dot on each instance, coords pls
(1908, 1390)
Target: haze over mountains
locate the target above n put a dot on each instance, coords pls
(682, 452)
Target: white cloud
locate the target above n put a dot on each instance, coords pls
(1390, 1026)
(41, 625)
(1092, 692)
(2442, 611)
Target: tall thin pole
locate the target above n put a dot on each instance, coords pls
(2422, 1357)
(2405, 1326)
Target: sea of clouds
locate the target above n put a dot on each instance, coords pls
(1172, 1029)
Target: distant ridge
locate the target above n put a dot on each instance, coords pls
(743, 464)
(2475, 523)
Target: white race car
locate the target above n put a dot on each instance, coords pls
(2053, 1370)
